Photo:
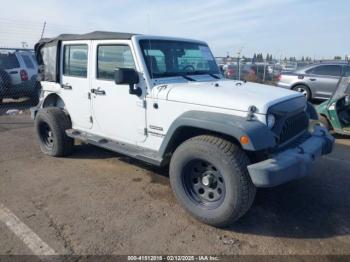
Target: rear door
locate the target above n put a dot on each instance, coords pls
(323, 79)
(75, 82)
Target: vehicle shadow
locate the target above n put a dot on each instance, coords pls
(317, 206)
(313, 207)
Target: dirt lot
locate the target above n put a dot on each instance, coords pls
(98, 202)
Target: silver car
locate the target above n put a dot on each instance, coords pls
(315, 81)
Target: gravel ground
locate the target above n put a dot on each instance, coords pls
(98, 202)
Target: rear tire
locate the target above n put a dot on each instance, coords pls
(304, 90)
(51, 124)
(210, 180)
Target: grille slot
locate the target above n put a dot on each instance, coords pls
(293, 126)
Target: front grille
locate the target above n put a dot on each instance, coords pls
(293, 126)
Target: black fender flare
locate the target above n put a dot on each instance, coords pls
(51, 99)
(260, 136)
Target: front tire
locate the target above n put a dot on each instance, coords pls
(51, 124)
(210, 179)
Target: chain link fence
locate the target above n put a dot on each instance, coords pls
(19, 88)
(262, 72)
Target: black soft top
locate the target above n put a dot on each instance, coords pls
(96, 35)
(47, 51)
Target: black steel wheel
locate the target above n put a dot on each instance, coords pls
(51, 125)
(46, 135)
(209, 177)
(204, 184)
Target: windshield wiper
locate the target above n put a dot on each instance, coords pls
(188, 78)
(170, 74)
(203, 73)
(214, 76)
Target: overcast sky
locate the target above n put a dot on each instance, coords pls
(318, 28)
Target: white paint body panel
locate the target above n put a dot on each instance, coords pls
(226, 94)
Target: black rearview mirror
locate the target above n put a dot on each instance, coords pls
(128, 76)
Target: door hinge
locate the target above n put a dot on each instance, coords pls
(142, 131)
(89, 95)
(91, 120)
(142, 103)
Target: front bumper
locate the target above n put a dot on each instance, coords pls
(292, 163)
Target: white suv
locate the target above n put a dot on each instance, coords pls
(18, 74)
(164, 101)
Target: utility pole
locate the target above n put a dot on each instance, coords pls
(239, 66)
(42, 32)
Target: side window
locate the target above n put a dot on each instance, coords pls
(327, 70)
(75, 60)
(346, 70)
(29, 64)
(47, 68)
(8, 61)
(110, 57)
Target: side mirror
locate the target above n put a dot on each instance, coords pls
(127, 76)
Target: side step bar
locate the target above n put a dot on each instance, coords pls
(149, 156)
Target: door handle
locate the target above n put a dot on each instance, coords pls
(66, 86)
(98, 91)
(313, 79)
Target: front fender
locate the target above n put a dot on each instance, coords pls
(260, 136)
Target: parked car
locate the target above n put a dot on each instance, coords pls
(335, 112)
(248, 72)
(18, 75)
(315, 81)
(231, 71)
(289, 66)
(256, 72)
(137, 95)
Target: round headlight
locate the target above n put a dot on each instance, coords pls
(270, 120)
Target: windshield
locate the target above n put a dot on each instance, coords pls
(343, 88)
(166, 58)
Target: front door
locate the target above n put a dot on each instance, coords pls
(117, 114)
(75, 84)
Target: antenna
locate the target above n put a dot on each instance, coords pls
(42, 32)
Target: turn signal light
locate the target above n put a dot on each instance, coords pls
(244, 140)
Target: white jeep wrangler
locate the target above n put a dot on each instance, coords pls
(164, 101)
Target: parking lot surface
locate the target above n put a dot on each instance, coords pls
(99, 202)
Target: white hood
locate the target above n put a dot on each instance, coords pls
(228, 94)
